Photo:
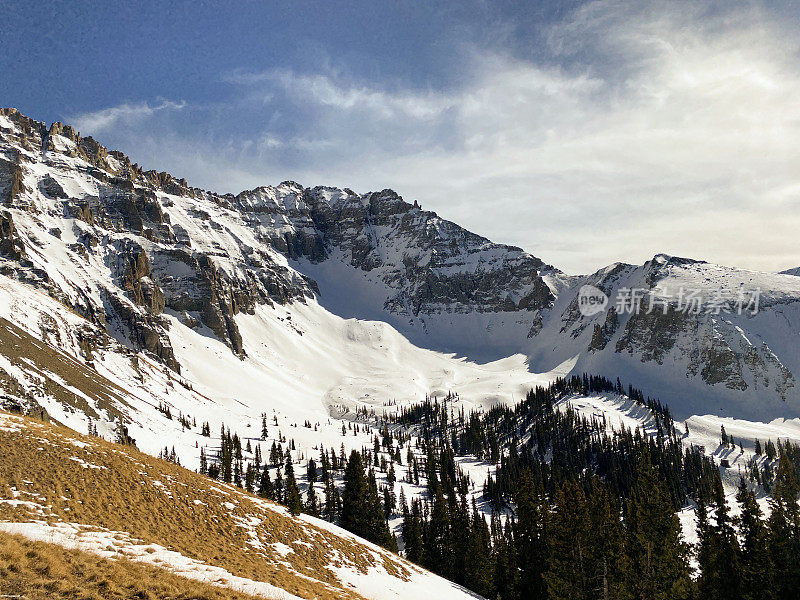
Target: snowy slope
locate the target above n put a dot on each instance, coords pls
(306, 365)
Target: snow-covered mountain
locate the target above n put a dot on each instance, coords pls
(705, 338)
(313, 298)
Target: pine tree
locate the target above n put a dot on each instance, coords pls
(292, 497)
(478, 567)
(389, 503)
(756, 563)
(438, 557)
(412, 531)
(265, 489)
(784, 529)
(312, 504)
(718, 553)
(203, 462)
(278, 485)
(249, 477)
(459, 537)
(610, 575)
(530, 537)
(332, 501)
(658, 556)
(569, 567)
(377, 521)
(311, 471)
(704, 550)
(361, 512)
(273, 455)
(390, 476)
(354, 496)
(506, 572)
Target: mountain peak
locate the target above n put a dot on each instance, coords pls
(668, 259)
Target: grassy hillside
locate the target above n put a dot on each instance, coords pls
(42, 571)
(90, 494)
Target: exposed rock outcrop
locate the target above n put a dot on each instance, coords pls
(10, 244)
(602, 334)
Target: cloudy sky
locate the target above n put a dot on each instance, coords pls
(585, 132)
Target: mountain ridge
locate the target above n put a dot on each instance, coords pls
(148, 248)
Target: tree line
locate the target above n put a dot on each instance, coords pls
(575, 508)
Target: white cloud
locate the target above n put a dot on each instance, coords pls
(667, 128)
(128, 114)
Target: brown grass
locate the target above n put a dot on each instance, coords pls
(37, 462)
(41, 571)
(33, 355)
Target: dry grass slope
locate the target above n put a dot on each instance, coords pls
(53, 474)
(40, 571)
(56, 372)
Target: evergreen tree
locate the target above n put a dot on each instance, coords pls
(389, 503)
(278, 486)
(784, 531)
(332, 501)
(438, 557)
(506, 572)
(361, 506)
(265, 489)
(311, 471)
(658, 556)
(249, 477)
(718, 554)
(312, 504)
(354, 496)
(610, 575)
(756, 563)
(569, 563)
(291, 494)
(390, 476)
(203, 462)
(530, 537)
(478, 568)
(412, 531)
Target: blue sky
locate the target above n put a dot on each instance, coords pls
(585, 132)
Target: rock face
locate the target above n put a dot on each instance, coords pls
(602, 334)
(137, 280)
(10, 245)
(428, 263)
(415, 268)
(113, 225)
